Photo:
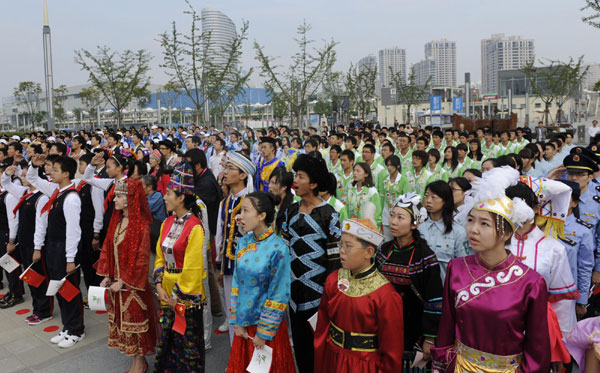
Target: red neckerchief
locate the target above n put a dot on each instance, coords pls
(21, 200)
(53, 197)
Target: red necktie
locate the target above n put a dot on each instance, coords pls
(23, 198)
(50, 202)
(110, 196)
(81, 185)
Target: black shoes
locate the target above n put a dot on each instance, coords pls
(10, 300)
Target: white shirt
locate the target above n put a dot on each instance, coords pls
(593, 131)
(548, 257)
(215, 163)
(41, 220)
(71, 211)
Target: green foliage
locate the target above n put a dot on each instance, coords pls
(119, 77)
(555, 81)
(305, 75)
(360, 83)
(27, 95)
(596, 86)
(592, 19)
(408, 92)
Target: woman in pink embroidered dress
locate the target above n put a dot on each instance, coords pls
(494, 316)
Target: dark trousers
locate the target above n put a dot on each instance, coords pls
(87, 257)
(43, 306)
(15, 285)
(303, 338)
(71, 313)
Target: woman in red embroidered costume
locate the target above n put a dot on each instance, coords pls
(124, 264)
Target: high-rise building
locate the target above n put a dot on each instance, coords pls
(424, 70)
(394, 58)
(443, 52)
(368, 62)
(503, 53)
(222, 32)
(592, 76)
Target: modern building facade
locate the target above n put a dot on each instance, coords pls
(222, 32)
(592, 76)
(424, 70)
(394, 58)
(500, 53)
(443, 52)
(367, 63)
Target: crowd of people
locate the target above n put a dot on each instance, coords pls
(351, 248)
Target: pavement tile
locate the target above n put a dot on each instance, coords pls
(11, 364)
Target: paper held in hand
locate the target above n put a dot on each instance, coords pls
(97, 298)
(313, 321)
(54, 286)
(8, 263)
(261, 360)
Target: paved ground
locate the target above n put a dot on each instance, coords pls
(25, 348)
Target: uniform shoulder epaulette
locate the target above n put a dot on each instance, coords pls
(598, 188)
(596, 198)
(585, 224)
(568, 241)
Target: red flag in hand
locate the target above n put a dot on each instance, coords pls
(68, 291)
(179, 323)
(32, 277)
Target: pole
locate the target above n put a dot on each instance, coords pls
(158, 107)
(509, 102)
(48, 70)
(527, 106)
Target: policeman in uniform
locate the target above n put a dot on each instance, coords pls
(579, 244)
(580, 169)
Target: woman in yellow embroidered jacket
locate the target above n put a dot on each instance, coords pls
(178, 275)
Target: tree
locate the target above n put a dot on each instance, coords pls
(408, 92)
(361, 88)
(193, 62)
(322, 108)
(90, 97)
(554, 81)
(173, 91)
(279, 107)
(596, 87)
(119, 77)
(570, 85)
(27, 95)
(334, 87)
(60, 96)
(301, 80)
(594, 18)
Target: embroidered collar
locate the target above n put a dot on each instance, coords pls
(364, 273)
(264, 235)
(525, 236)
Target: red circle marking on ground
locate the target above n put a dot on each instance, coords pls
(23, 311)
(2, 296)
(51, 329)
(101, 312)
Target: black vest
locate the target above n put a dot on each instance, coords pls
(87, 208)
(3, 217)
(27, 215)
(57, 225)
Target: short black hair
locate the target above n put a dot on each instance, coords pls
(348, 153)
(60, 148)
(67, 164)
(18, 147)
(150, 181)
(86, 158)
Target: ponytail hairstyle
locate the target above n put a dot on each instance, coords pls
(264, 202)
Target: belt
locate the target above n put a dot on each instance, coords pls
(174, 270)
(352, 341)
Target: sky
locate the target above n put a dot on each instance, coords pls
(360, 27)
